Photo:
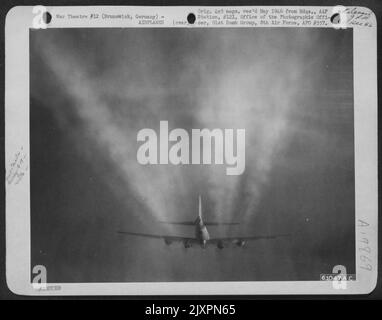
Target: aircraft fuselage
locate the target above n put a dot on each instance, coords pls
(201, 233)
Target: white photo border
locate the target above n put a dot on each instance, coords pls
(20, 19)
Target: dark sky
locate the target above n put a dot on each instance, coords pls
(92, 90)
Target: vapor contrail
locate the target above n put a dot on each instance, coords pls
(114, 138)
(258, 95)
(238, 91)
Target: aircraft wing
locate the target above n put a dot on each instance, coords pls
(207, 223)
(183, 223)
(239, 239)
(157, 236)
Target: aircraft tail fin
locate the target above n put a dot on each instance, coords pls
(200, 208)
(200, 219)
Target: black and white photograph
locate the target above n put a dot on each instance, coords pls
(191, 155)
(194, 155)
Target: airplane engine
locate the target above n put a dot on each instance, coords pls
(187, 244)
(220, 245)
(240, 243)
(167, 241)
